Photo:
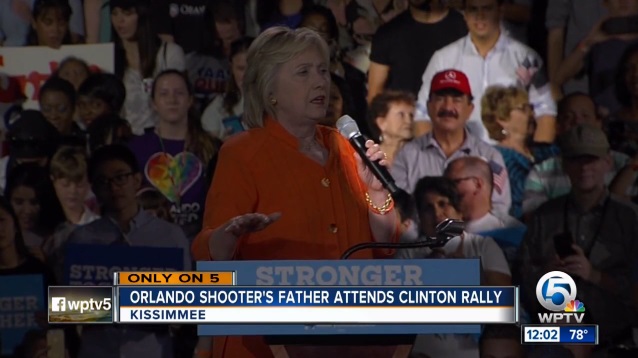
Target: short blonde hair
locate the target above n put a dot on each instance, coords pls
(271, 49)
(497, 104)
(69, 163)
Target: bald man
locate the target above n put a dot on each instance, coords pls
(474, 182)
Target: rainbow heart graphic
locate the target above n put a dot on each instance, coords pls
(173, 175)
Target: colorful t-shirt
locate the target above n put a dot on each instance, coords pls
(176, 173)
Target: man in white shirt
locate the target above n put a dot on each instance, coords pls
(489, 56)
(474, 183)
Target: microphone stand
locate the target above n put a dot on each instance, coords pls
(445, 231)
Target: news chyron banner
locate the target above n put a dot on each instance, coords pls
(302, 297)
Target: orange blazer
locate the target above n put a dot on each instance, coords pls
(323, 208)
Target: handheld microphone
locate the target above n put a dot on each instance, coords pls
(445, 231)
(349, 129)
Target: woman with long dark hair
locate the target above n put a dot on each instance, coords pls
(32, 196)
(230, 106)
(139, 56)
(178, 157)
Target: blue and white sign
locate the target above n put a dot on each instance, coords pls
(93, 265)
(21, 299)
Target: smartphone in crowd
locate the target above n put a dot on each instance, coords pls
(563, 244)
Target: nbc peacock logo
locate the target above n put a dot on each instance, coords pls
(575, 306)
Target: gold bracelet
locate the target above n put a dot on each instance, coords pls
(382, 210)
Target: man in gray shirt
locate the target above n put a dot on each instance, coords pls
(602, 231)
(449, 106)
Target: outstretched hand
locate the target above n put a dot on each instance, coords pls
(249, 223)
(374, 153)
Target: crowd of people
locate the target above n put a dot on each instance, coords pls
(215, 135)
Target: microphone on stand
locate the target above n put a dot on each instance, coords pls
(445, 231)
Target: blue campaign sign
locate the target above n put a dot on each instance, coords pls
(94, 265)
(431, 272)
(21, 298)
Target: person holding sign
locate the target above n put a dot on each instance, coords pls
(222, 117)
(289, 188)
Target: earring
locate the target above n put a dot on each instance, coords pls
(273, 101)
(380, 138)
(504, 132)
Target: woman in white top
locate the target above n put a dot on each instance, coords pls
(139, 56)
(222, 117)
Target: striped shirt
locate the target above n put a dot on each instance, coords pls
(518, 167)
(547, 180)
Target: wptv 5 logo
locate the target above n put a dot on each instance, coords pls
(556, 292)
(60, 304)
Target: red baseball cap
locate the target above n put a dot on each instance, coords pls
(451, 79)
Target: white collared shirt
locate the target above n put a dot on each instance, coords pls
(509, 63)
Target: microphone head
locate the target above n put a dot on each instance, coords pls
(450, 227)
(347, 126)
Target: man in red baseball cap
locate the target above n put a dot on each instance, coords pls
(450, 103)
(451, 80)
(450, 107)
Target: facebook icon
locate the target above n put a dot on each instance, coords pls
(58, 304)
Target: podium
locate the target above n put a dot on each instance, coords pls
(338, 340)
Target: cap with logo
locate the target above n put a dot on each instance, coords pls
(451, 80)
(584, 140)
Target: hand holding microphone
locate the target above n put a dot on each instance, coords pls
(372, 162)
(374, 154)
(372, 168)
